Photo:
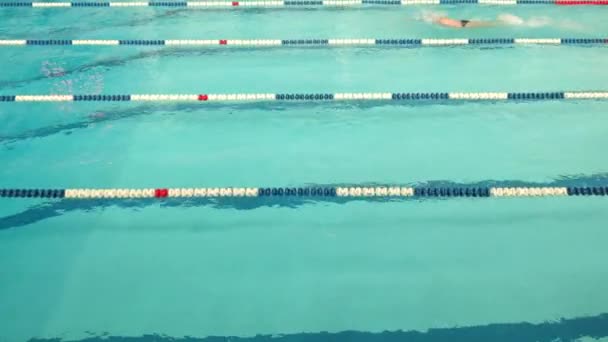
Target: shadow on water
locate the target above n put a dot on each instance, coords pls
(179, 14)
(162, 13)
(563, 330)
(182, 51)
(54, 208)
(154, 52)
(135, 110)
(118, 61)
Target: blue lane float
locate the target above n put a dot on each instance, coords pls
(310, 42)
(289, 3)
(318, 97)
(351, 191)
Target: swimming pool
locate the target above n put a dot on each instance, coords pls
(308, 173)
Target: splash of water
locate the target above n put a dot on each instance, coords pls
(510, 19)
(430, 16)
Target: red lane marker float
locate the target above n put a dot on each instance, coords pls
(223, 42)
(581, 2)
(235, 3)
(203, 97)
(161, 193)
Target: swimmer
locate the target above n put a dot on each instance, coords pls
(504, 19)
(449, 22)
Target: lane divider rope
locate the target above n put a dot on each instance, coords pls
(291, 3)
(342, 191)
(409, 42)
(316, 97)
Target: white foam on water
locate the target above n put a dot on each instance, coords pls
(539, 21)
(430, 16)
(510, 19)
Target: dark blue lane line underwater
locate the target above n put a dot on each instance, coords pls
(595, 327)
(117, 61)
(110, 114)
(119, 111)
(58, 207)
(180, 51)
(66, 30)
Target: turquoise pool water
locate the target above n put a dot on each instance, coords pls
(76, 270)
